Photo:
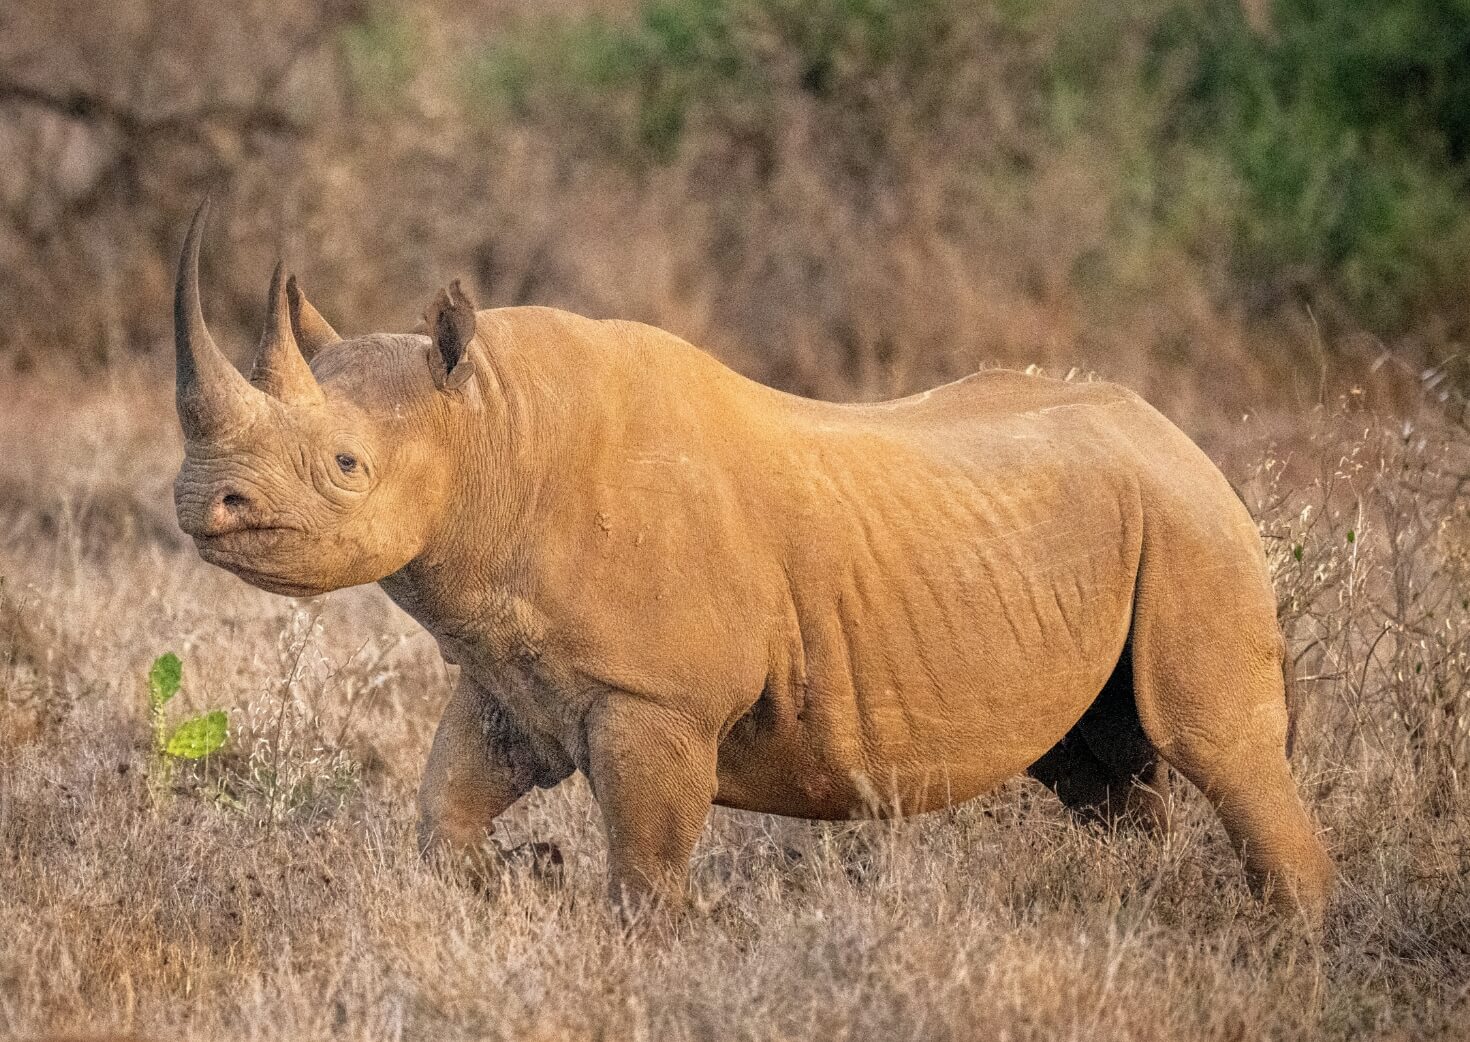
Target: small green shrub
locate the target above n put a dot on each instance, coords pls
(193, 739)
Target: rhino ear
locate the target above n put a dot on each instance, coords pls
(450, 323)
(313, 333)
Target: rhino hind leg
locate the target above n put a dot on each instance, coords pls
(1211, 697)
(1105, 769)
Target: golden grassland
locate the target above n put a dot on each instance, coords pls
(275, 893)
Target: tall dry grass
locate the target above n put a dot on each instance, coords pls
(276, 892)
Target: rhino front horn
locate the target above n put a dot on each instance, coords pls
(213, 397)
(281, 370)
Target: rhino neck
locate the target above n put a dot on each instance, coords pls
(511, 456)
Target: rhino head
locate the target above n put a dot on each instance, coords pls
(327, 467)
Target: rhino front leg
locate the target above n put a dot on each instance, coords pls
(653, 772)
(478, 766)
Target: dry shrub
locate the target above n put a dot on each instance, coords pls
(1369, 560)
(35, 667)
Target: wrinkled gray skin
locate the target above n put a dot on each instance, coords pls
(695, 589)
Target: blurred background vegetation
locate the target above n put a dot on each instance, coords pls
(1217, 202)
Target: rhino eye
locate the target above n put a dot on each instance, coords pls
(347, 462)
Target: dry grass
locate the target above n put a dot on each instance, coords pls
(275, 894)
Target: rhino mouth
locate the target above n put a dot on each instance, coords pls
(244, 540)
(241, 554)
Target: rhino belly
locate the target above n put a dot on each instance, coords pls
(902, 697)
(897, 751)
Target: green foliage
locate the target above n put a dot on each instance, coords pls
(196, 738)
(1321, 156)
(378, 52)
(1347, 125)
(193, 739)
(645, 80)
(665, 61)
(164, 679)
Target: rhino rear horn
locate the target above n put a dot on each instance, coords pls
(280, 368)
(212, 396)
(313, 333)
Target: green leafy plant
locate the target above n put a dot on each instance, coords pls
(194, 738)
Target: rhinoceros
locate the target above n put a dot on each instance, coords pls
(696, 590)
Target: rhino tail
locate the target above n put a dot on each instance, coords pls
(1292, 691)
